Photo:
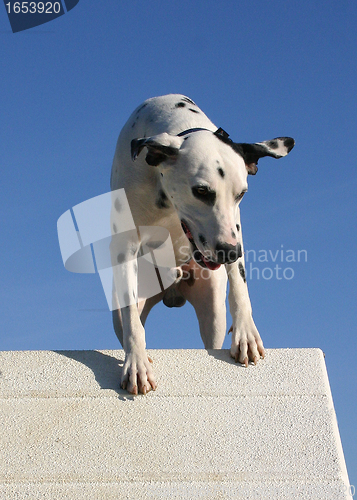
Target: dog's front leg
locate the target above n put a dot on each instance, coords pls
(246, 342)
(137, 373)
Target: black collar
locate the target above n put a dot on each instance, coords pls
(220, 133)
(197, 129)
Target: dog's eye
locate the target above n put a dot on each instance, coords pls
(205, 194)
(240, 196)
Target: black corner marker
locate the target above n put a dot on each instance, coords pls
(70, 4)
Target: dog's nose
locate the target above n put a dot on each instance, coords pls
(227, 254)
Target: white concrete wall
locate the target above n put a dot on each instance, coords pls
(212, 430)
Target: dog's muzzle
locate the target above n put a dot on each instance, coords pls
(197, 255)
(227, 254)
(224, 253)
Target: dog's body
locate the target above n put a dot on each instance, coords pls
(190, 181)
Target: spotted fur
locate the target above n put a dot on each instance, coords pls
(162, 200)
(182, 173)
(242, 271)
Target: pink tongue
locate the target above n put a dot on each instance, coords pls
(211, 265)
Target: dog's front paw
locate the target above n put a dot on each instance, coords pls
(137, 375)
(246, 342)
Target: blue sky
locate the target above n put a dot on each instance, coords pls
(259, 70)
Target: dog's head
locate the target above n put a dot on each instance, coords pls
(204, 175)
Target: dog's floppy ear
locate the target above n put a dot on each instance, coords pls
(276, 148)
(160, 148)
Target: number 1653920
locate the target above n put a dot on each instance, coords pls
(34, 7)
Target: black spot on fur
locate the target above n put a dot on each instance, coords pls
(193, 110)
(233, 234)
(180, 105)
(115, 228)
(117, 205)
(188, 100)
(154, 159)
(273, 144)
(221, 172)
(202, 239)
(141, 107)
(156, 153)
(133, 125)
(238, 227)
(121, 258)
(242, 271)
(289, 143)
(189, 277)
(162, 200)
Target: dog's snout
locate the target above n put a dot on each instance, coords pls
(227, 254)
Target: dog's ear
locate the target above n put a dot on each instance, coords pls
(276, 148)
(160, 148)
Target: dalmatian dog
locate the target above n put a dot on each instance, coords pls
(182, 173)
